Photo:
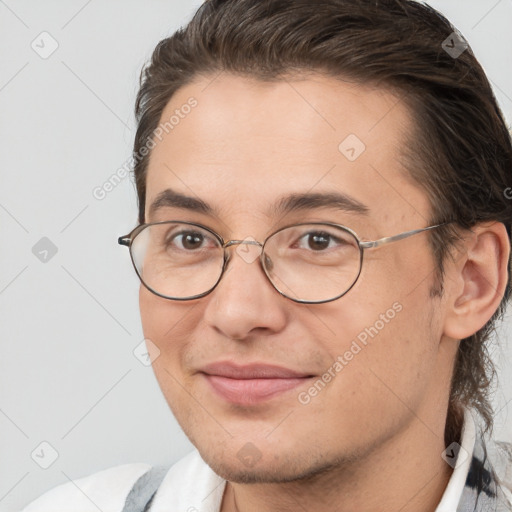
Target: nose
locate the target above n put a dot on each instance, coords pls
(245, 302)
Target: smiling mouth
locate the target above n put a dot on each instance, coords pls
(251, 383)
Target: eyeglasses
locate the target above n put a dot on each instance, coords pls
(310, 263)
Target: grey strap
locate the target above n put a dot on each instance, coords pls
(140, 497)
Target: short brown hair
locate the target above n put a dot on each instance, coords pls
(460, 151)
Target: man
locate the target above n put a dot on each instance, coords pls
(323, 248)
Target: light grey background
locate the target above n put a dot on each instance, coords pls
(69, 326)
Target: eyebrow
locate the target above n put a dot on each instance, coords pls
(169, 198)
(310, 201)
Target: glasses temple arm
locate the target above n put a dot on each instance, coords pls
(396, 238)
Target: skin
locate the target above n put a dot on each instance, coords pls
(372, 439)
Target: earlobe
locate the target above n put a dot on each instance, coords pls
(478, 280)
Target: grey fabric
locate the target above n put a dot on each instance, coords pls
(489, 483)
(140, 497)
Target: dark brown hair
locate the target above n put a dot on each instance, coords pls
(459, 152)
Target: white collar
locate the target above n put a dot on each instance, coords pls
(455, 487)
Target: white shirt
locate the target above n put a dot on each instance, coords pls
(191, 485)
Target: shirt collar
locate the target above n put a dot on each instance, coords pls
(455, 488)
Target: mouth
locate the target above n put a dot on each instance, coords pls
(251, 384)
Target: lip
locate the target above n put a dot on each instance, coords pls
(251, 384)
(251, 371)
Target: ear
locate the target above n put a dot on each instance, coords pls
(476, 280)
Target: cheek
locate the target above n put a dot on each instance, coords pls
(385, 332)
(159, 316)
(152, 314)
(167, 324)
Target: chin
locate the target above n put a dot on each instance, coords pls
(279, 469)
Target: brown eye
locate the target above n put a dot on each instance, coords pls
(186, 240)
(191, 240)
(320, 241)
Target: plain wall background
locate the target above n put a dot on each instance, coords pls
(69, 326)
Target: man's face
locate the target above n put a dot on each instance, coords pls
(245, 145)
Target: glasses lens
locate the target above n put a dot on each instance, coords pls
(312, 262)
(177, 260)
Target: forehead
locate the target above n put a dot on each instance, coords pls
(245, 142)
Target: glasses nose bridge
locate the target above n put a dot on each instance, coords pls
(230, 243)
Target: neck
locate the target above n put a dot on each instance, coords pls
(404, 473)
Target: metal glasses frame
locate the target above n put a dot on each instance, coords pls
(127, 240)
